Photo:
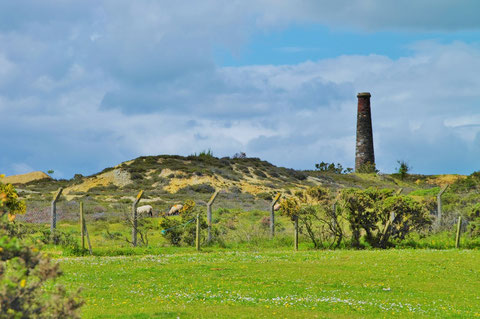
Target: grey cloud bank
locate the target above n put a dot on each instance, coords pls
(88, 85)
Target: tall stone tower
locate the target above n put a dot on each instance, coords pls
(364, 150)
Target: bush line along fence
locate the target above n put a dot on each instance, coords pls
(134, 219)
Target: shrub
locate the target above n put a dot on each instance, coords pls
(260, 173)
(198, 188)
(296, 174)
(204, 156)
(474, 220)
(381, 215)
(235, 190)
(313, 208)
(265, 196)
(240, 155)
(467, 184)
(64, 239)
(24, 272)
(176, 231)
(136, 176)
(171, 230)
(404, 214)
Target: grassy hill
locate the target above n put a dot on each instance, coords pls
(246, 183)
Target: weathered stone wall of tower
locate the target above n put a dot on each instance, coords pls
(364, 149)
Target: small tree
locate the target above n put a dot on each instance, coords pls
(332, 168)
(403, 169)
(240, 155)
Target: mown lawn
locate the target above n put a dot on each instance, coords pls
(283, 284)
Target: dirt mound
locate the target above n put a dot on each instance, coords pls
(116, 177)
(24, 178)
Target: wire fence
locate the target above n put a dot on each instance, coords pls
(112, 225)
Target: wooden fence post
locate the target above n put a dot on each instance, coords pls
(272, 215)
(88, 237)
(197, 233)
(459, 226)
(296, 233)
(134, 218)
(53, 213)
(439, 207)
(82, 225)
(209, 214)
(83, 230)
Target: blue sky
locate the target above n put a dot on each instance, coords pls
(89, 84)
(299, 43)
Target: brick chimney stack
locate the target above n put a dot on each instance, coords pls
(364, 149)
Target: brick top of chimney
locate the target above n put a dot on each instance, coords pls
(364, 94)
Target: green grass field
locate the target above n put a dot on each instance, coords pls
(283, 284)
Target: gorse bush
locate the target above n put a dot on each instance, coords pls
(313, 209)
(474, 224)
(24, 271)
(172, 230)
(9, 203)
(376, 218)
(381, 215)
